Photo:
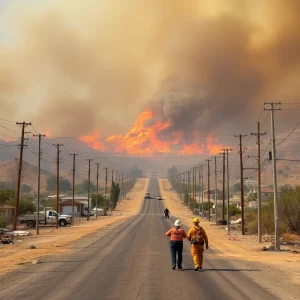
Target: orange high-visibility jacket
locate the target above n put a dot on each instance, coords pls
(191, 235)
(176, 234)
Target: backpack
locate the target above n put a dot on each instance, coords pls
(198, 237)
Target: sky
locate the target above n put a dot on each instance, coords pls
(80, 67)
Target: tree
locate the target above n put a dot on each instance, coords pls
(136, 173)
(237, 187)
(51, 183)
(6, 195)
(25, 188)
(172, 173)
(25, 206)
(64, 184)
(290, 208)
(101, 201)
(114, 194)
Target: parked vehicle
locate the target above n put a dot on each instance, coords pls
(46, 217)
(99, 211)
(159, 198)
(82, 208)
(147, 196)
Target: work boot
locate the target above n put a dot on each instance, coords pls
(174, 267)
(179, 268)
(196, 269)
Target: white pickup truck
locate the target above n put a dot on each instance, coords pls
(46, 217)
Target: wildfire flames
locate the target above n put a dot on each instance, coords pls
(148, 137)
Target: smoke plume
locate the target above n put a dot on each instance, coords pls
(199, 65)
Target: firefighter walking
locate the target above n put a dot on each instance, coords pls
(177, 235)
(197, 236)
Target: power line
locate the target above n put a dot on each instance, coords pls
(288, 134)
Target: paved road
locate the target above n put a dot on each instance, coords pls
(131, 261)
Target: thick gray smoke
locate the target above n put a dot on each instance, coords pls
(76, 68)
(219, 75)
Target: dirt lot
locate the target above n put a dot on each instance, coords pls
(283, 265)
(52, 241)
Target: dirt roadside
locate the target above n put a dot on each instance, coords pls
(282, 266)
(52, 241)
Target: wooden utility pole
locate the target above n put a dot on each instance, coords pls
(73, 185)
(57, 179)
(199, 198)
(208, 186)
(16, 212)
(188, 187)
(258, 134)
(111, 191)
(223, 192)
(240, 136)
(193, 186)
(97, 195)
(89, 187)
(202, 189)
(105, 183)
(216, 189)
(39, 185)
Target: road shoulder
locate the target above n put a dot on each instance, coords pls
(52, 241)
(280, 267)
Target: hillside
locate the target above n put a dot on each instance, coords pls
(9, 173)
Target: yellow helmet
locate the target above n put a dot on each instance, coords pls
(196, 220)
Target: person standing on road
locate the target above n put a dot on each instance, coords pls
(166, 212)
(177, 235)
(197, 236)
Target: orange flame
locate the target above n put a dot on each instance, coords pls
(92, 141)
(146, 136)
(47, 133)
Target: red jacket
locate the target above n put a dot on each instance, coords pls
(176, 234)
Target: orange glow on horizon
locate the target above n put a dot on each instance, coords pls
(146, 136)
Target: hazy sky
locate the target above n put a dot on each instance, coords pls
(78, 66)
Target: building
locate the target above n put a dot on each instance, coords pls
(268, 193)
(212, 192)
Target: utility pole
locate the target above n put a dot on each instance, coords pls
(202, 189)
(188, 187)
(16, 212)
(240, 136)
(276, 220)
(199, 198)
(39, 185)
(258, 134)
(228, 196)
(111, 191)
(57, 180)
(223, 204)
(193, 187)
(208, 186)
(105, 183)
(98, 165)
(73, 185)
(89, 187)
(216, 188)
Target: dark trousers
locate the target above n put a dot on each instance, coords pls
(167, 216)
(176, 248)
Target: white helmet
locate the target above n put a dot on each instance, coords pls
(177, 223)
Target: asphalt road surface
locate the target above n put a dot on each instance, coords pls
(131, 261)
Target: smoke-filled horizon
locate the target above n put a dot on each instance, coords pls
(199, 66)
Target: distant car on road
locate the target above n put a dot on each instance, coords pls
(147, 196)
(159, 198)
